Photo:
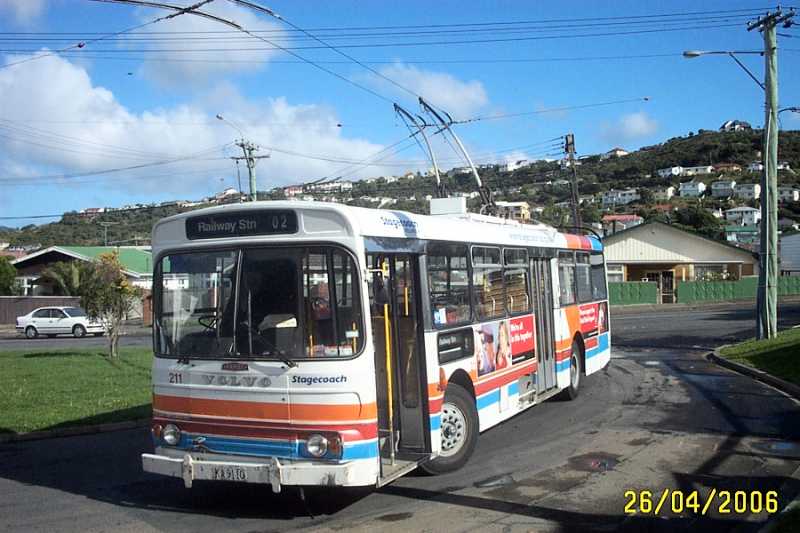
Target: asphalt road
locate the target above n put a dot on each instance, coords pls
(660, 416)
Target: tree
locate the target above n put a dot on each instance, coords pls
(8, 276)
(66, 276)
(108, 296)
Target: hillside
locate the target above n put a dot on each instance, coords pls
(536, 184)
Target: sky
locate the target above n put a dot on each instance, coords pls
(90, 117)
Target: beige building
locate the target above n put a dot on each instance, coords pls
(515, 210)
(664, 254)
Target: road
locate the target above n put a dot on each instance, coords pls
(659, 417)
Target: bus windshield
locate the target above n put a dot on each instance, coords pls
(272, 303)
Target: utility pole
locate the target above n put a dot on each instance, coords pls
(249, 149)
(105, 230)
(569, 149)
(767, 297)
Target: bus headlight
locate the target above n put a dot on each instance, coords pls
(317, 445)
(171, 434)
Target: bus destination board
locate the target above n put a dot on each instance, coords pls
(241, 224)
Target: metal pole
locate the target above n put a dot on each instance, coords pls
(767, 323)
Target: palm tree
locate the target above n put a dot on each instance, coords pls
(66, 276)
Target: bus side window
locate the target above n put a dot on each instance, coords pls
(448, 284)
(583, 277)
(566, 278)
(518, 299)
(487, 282)
(598, 277)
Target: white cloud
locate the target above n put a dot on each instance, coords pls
(82, 127)
(23, 11)
(183, 65)
(459, 98)
(630, 127)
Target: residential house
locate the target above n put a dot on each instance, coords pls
(614, 152)
(734, 125)
(788, 224)
(755, 166)
(615, 223)
(587, 199)
(692, 189)
(292, 191)
(616, 197)
(701, 170)
(743, 216)
(783, 165)
(663, 194)
(136, 262)
(91, 212)
(788, 194)
(723, 188)
(789, 252)
(743, 236)
(520, 211)
(514, 165)
(664, 254)
(748, 191)
(727, 167)
(670, 172)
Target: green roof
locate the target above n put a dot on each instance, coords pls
(741, 229)
(132, 259)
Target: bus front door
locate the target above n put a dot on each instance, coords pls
(404, 434)
(545, 338)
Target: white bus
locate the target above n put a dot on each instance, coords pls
(305, 343)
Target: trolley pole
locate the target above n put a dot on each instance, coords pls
(569, 148)
(767, 296)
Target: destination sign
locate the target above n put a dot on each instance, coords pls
(241, 224)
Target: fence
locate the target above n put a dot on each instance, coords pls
(719, 291)
(13, 306)
(632, 292)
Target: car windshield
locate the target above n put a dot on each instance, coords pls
(74, 311)
(284, 303)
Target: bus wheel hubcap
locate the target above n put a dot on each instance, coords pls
(574, 372)
(454, 429)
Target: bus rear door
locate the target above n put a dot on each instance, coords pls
(545, 336)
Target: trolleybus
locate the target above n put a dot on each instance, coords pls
(309, 343)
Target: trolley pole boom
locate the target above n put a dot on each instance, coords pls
(408, 118)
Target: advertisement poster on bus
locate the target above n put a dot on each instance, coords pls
(594, 318)
(503, 343)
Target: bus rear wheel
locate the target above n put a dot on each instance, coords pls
(575, 371)
(459, 431)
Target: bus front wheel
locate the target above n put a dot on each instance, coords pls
(459, 431)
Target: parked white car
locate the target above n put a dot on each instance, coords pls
(52, 321)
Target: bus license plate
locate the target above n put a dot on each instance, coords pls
(229, 473)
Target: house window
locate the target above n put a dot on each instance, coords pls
(615, 273)
(708, 272)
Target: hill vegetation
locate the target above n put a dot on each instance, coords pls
(541, 184)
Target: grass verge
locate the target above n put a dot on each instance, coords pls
(55, 389)
(779, 356)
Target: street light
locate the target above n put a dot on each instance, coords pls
(231, 124)
(690, 54)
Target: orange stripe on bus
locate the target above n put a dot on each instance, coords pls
(273, 411)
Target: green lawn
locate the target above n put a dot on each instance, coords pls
(49, 389)
(779, 356)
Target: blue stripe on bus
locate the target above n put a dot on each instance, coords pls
(275, 448)
(513, 388)
(602, 345)
(436, 422)
(596, 244)
(488, 399)
(561, 366)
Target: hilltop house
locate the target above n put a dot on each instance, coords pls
(701, 170)
(748, 191)
(734, 125)
(520, 211)
(755, 166)
(663, 194)
(727, 167)
(788, 194)
(615, 197)
(664, 254)
(744, 216)
(692, 189)
(614, 152)
(514, 165)
(669, 172)
(723, 188)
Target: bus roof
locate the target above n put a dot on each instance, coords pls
(382, 223)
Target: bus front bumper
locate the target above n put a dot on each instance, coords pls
(273, 472)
